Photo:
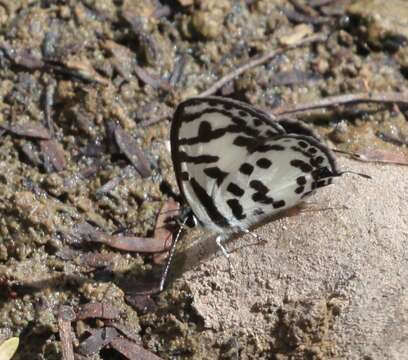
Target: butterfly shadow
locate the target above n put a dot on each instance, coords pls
(199, 246)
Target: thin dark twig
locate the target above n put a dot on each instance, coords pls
(49, 102)
(391, 97)
(259, 61)
(378, 156)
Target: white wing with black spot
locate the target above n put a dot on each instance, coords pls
(236, 166)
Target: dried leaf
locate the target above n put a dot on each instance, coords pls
(162, 231)
(98, 310)
(130, 148)
(129, 333)
(53, 155)
(65, 316)
(82, 67)
(29, 150)
(143, 303)
(154, 81)
(98, 340)
(123, 58)
(128, 171)
(132, 351)
(129, 243)
(30, 130)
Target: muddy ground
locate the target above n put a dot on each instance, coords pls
(87, 90)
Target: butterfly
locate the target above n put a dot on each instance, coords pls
(236, 166)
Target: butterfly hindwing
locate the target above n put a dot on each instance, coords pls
(235, 165)
(284, 171)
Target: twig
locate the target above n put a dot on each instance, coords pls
(259, 61)
(376, 156)
(65, 316)
(397, 98)
(49, 102)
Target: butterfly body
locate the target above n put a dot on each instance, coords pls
(236, 166)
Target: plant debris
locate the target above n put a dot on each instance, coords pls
(29, 130)
(132, 351)
(53, 155)
(65, 316)
(97, 310)
(87, 93)
(98, 340)
(132, 151)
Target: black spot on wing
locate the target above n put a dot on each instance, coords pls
(244, 141)
(263, 163)
(316, 161)
(278, 204)
(264, 147)
(206, 134)
(260, 192)
(204, 130)
(201, 159)
(307, 194)
(303, 166)
(262, 198)
(237, 125)
(259, 186)
(270, 133)
(299, 190)
(321, 173)
(321, 183)
(236, 209)
(246, 169)
(208, 204)
(216, 173)
(245, 126)
(295, 127)
(234, 189)
(228, 104)
(302, 151)
(301, 180)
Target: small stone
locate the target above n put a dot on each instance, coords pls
(299, 32)
(208, 23)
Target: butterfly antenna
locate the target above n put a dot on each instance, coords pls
(171, 255)
(355, 173)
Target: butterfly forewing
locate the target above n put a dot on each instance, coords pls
(235, 165)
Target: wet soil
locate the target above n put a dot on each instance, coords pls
(87, 91)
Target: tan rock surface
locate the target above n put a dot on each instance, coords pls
(345, 269)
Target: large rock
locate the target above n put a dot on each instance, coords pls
(332, 283)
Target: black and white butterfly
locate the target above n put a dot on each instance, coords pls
(236, 166)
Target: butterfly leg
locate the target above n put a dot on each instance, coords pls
(219, 239)
(259, 240)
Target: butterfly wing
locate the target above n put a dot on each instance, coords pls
(205, 138)
(236, 166)
(276, 175)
